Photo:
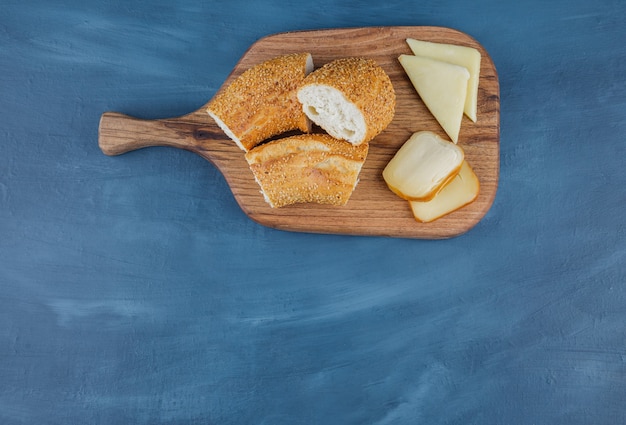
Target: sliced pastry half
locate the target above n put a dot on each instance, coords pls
(307, 168)
(262, 102)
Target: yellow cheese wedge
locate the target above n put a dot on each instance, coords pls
(464, 56)
(422, 166)
(459, 192)
(443, 88)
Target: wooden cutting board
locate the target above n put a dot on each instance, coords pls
(373, 209)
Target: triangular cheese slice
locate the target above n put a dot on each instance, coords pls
(464, 56)
(443, 88)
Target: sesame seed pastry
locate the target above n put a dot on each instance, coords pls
(315, 168)
(262, 102)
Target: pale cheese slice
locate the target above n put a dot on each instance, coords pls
(460, 191)
(464, 56)
(443, 88)
(422, 166)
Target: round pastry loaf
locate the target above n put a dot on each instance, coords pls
(350, 98)
(262, 101)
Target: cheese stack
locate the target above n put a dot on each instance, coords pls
(446, 79)
(432, 174)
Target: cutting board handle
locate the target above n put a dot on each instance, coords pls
(119, 133)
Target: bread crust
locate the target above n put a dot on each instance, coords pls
(305, 168)
(262, 102)
(363, 83)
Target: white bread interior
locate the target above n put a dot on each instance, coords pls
(327, 107)
(350, 98)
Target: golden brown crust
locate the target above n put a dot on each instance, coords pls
(364, 83)
(262, 102)
(307, 168)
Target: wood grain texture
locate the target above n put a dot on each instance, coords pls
(373, 209)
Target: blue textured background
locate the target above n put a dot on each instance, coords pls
(134, 290)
